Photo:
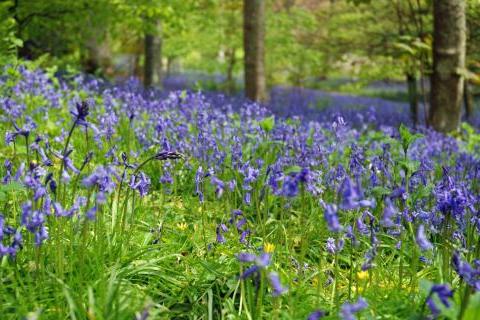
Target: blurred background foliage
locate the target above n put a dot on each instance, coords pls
(335, 45)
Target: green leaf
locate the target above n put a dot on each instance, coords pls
(310, 137)
(405, 48)
(409, 165)
(473, 309)
(293, 169)
(183, 94)
(425, 287)
(12, 187)
(422, 45)
(267, 124)
(407, 137)
(380, 191)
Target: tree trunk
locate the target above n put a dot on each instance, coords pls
(413, 97)
(449, 42)
(158, 58)
(91, 60)
(467, 100)
(169, 66)
(254, 49)
(231, 64)
(149, 63)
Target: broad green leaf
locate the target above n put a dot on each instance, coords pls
(293, 169)
(12, 187)
(267, 124)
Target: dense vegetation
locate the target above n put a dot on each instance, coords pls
(254, 159)
(119, 202)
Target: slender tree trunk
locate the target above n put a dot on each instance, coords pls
(149, 63)
(254, 49)
(449, 42)
(158, 58)
(137, 71)
(413, 97)
(91, 59)
(467, 100)
(169, 68)
(231, 64)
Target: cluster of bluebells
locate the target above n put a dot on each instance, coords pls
(358, 182)
(470, 274)
(10, 239)
(239, 222)
(348, 310)
(258, 263)
(444, 293)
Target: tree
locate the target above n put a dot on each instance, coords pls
(254, 49)
(473, 56)
(149, 65)
(449, 46)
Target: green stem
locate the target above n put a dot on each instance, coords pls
(258, 312)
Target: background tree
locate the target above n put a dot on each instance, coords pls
(473, 56)
(449, 44)
(254, 49)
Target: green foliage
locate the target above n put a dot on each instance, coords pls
(305, 41)
(471, 137)
(268, 123)
(9, 41)
(407, 137)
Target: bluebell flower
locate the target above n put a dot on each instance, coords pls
(369, 257)
(290, 187)
(102, 178)
(260, 262)
(91, 213)
(277, 287)
(352, 197)
(469, 274)
(23, 131)
(140, 182)
(331, 217)
(348, 310)
(351, 235)
(316, 315)
(246, 257)
(444, 293)
(362, 227)
(34, 220)
(20, 172)
(144, 315)
(333, 246)
(80, 113)
(11, 236)
(243, 236)
(8, 171)
(233, 216)
(219, 186)
(67, 162)
(199, 175)
(422, 240)
(389, 213)
(166, 155)
(221, 228)
(248, 198)
(399, 192)
(231, 185)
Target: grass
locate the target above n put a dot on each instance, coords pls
(165, 255)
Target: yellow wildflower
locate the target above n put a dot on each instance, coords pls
(268, 247)
(182, 226)
(362, 275)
